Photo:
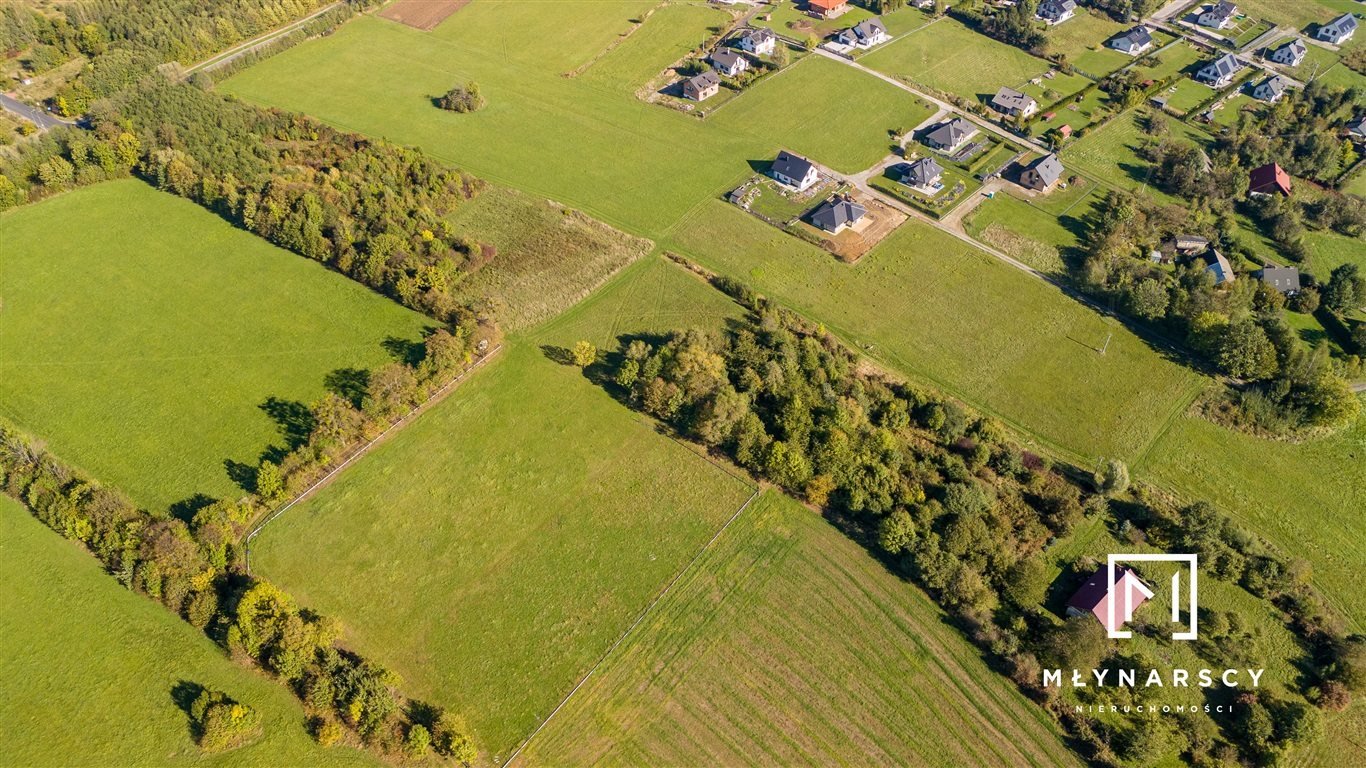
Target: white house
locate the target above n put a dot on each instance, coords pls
(729, 63)
(759, 42)
(1339, 30)
(795, 171)
(1133, 42)
(1220, 72)
(1271, 89)
(1009, 101)
(1291, 53)
(864, 35)
(1218, 16)
(1056, 11)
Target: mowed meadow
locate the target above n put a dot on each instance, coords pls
(493, 550)
(787, 644)
(91, 670)
(140, 336)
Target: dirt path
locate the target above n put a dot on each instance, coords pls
(242, 49)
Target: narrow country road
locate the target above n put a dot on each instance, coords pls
(44, 120)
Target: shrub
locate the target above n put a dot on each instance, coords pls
(462, 98)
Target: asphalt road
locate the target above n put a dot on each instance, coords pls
(38, 117)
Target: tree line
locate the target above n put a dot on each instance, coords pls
(193, 563)
(947, 499)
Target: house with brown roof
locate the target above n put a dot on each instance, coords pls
(1270, 179)
(1127, 592)
(702, 87)
(826, 9)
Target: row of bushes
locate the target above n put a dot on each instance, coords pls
(945, 497)
(193, 562)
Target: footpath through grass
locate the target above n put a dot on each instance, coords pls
(788, 644)
(140, 335)
(90, 669)
(493, 550)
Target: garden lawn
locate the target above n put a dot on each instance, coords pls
(1306, 498)
(89, 669)
(1082, 40)
(670, 33)
(1329, 250)
(1030, 233)
(932, 307)
(949, 56)
(140, 335)
(493, 550)
(787, 644)
(1110, 153)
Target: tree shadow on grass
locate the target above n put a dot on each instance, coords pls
(183, 694)
(186, 509)
(404, 351)
(559, 355)
(349, 383)
(243, 475)
(292, 418)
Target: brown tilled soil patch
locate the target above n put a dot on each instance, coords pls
(422, 14)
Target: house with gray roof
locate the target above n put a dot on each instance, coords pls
(1217, 16)
(702, 87)
(923, 175)
(729, 63)
(1043, 173)
(1133, 42)
(1284, 279)
(1290, 53)
(794, 170)
(1356, 129)
(838, 214)
(864, 35)
(759, 42)
(949, 136)
(1009, 101)
(1271, 89)
(1216, 264)
(1220, 72)
(1339, 30)
(1056, 11)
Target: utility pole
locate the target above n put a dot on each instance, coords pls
(1108, 336)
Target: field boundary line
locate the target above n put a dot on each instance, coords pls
(758, 489)
(361, 451)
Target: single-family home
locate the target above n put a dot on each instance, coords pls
(1043, 173)
(1217, 16)
(1189, 244)
(837, 214)
(1113, 604)
(759, 42)
(949, 136)
(1133, 42)
(921, 4)
(1216, 264)
(864, 35)
(729, 63)
(795, 171)
(702, 87)
(1356, 130)
(1339, 30)
(1220, 72)
(1056, 11)
(1269, 179)
(826, 9)
(1290, 53)
(1271, 89)
(923, 175)
(1009, 101)
(1284, 279)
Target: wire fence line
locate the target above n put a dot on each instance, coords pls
(361, 451)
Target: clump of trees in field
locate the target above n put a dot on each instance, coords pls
(462, 98)
(944, 497)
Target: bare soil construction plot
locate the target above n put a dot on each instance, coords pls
(422, 14)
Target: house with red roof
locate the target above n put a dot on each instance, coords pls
(1128, 591)
(1270, 179)
(827, 9)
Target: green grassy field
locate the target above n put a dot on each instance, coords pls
(140, 336)
(786, 644)
(89, 669)
(494, 549)
(1111, 153)
(1082, 40)
(949, 56)
(1305, 498)
(670, 32)
(1037, 232)
(931, 306)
